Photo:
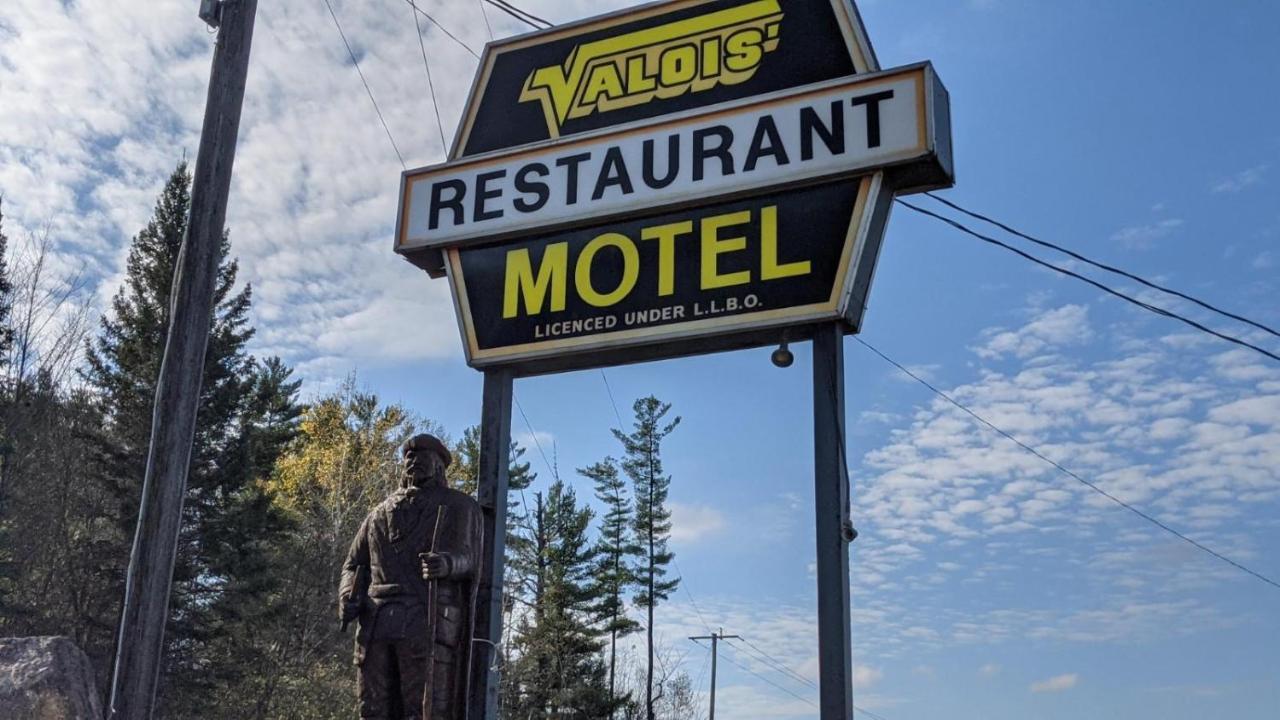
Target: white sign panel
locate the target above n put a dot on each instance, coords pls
(818, 132)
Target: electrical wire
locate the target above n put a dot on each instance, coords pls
(443, 29)
(524, 12)
(356, 63)
(746, 669)
(616, 414)
(444, 145)
(533, 434)
(521, 15)
(1103, 266)
(1109, 290)
(1092, 486)
(485, 14)
(779, 665)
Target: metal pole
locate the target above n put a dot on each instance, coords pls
(834, 531)
(495, 459)
(140, 643)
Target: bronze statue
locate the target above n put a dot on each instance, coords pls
(409, 582)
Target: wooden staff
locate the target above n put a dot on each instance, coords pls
(433, 614)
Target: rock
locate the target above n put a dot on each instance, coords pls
(46, 678)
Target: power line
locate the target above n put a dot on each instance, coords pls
(1111, 291)
(444, 145)
(1102, 266)
(486, 18)
(523, 16)
(365, 82)
(616, 414)
(746, 669)
(443, 29)
(781, 667)
(1069, 473)
(522, 11)
(533, 434)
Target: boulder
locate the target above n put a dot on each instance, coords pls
(46, 678)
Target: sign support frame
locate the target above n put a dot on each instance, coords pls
(493, 482)
(832, 526)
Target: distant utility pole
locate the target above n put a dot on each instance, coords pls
(715, 639)
(140, 643)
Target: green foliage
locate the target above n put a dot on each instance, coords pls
(642, 462)
(616, 557)
(558, 671)
(247, 414)
(343, 462)
(6, 293)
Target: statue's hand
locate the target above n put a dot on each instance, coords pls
(349, 610)
(435, 565)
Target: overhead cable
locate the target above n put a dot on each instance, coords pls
(1103, 266)
(443, 29)
(1092, 486)
(356, 63)
(1127, 298)
(444, 145)
(523, 16)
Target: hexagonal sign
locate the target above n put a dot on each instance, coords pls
(685, 177)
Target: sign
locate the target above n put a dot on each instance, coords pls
(684, 177)
(831, 130)
(756, 262)
(655, 60)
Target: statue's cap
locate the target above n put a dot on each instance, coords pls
(427, 441)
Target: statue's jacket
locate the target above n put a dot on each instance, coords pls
(384, 572)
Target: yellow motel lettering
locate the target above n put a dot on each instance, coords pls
(536, 287)
(726, 47)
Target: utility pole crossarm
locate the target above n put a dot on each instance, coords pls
(715, 639)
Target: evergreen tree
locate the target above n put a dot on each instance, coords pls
(464, 475)
(247, 413)
(617, 554)
(642, 462)
(6, 294)
(558, 672)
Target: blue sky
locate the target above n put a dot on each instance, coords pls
(985, 584)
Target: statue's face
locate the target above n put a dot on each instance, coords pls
(423, 467)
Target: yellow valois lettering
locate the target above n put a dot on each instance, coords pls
(521, 283)
(630, 269)
(769, 267)
(713, 246)
(605, 82)
(744, 50)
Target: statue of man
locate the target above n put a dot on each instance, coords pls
(409, 581)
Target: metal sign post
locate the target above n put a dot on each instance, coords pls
(680, 178)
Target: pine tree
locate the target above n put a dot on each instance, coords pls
(642, 462)
(247, 413)
(6, 293)
(617, 554)
(558, 672)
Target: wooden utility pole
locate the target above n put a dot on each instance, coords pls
(715, 639)
(140, 643)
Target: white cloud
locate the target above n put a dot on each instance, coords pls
(1141, 237)
(865, 676)
(1241, 180)
(690, 523)
(989, 670)
(1063, 326)
(1264, 261)
(1057, 683)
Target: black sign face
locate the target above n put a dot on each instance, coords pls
(666, 59)
(756, 262)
